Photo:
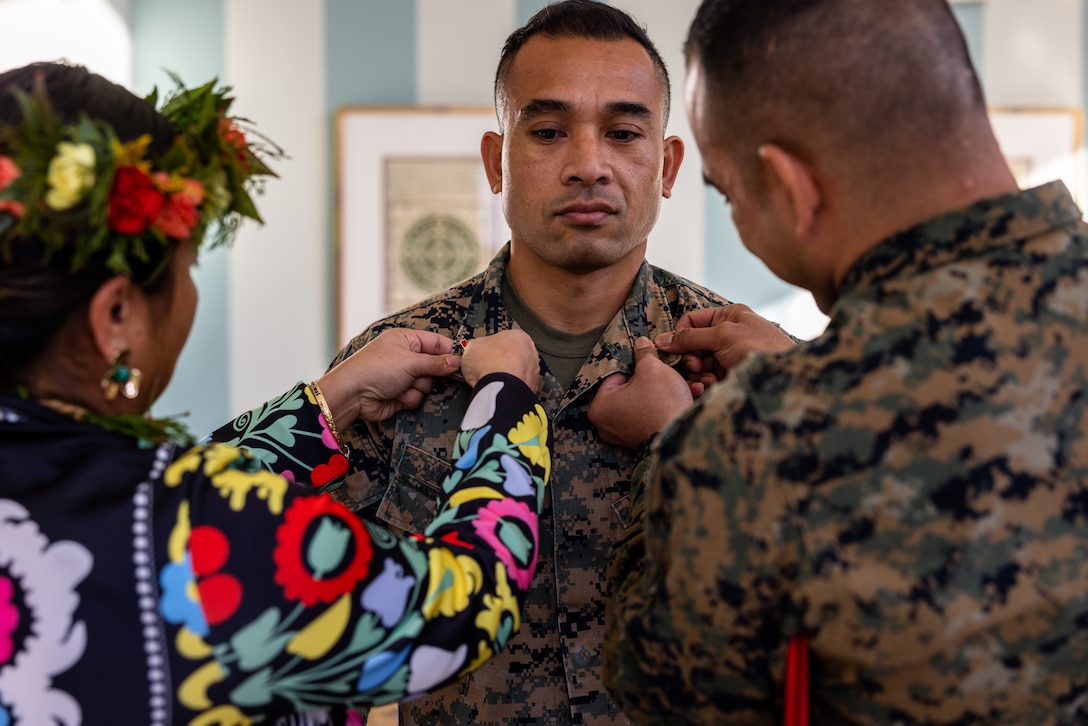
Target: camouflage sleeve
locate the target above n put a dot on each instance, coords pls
(696, 614)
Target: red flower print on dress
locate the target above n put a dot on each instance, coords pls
(220, 593)
(322, 550)
(336, 467)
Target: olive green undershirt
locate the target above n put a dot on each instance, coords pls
(564, 353)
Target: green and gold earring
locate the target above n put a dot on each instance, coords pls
(122, 378)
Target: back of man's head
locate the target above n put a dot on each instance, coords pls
(588, 19)
(876, 84)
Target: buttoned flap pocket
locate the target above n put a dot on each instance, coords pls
(622, 509)
(411, 501)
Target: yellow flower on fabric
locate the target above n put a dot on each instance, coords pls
(317, 638)
(452, 581)
(70, 175)
(531, 438)
(193, 692)
(502, 601)
(225, 715)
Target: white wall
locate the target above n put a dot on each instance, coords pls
(278, 317)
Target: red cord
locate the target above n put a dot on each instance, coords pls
(796, 705)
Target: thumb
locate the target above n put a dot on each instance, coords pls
(644, 348)
(426, 364)
(611, 383)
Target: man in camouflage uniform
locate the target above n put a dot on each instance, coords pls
(582, 164)
(909, 489)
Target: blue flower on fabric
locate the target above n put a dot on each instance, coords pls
(468, 459)
(176, 581)
(380, 668)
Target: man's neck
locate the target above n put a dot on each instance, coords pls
(573, 302)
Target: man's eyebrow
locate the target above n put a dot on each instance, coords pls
(541, 106)
(630, 108)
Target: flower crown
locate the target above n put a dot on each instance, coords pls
(81, 192)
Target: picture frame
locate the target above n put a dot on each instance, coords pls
(414, 211)
(1041, 145)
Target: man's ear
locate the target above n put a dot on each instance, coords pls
(797, 182)
(491, 153)
(110, 314)
(674, 155)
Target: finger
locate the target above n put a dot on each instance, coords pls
(432, 343)
(702, 318)
(410, 398)
(691, 340)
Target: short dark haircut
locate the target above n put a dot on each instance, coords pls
(864, 75)
(580, 19)
(38, 296)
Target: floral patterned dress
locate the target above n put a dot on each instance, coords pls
(172, 585)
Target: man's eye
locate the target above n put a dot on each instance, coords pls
(546, 134)
(624, 135)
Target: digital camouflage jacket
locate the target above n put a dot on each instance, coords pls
(550, 673)
(910, 489)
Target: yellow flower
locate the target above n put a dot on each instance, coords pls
(531, 438)
(70, 175)
(503, 601)
(453, 580)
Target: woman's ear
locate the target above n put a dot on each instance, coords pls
(110, 316)
(796, 180)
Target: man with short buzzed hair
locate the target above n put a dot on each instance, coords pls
(908, 490)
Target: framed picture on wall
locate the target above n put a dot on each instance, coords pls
(1041, 145)
(415, 213)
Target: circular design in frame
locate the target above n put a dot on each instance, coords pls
(439, 250)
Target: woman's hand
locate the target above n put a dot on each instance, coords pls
(508, 351)
(387, 375)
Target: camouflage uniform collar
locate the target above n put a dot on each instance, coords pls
(985, 225)
(645, 313)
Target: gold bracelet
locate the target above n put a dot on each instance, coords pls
(324, 405)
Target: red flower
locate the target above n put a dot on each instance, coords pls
(322, 550)
(220, 593)
(234, 136)
(179, 214)
(9, 172)
(134, 201)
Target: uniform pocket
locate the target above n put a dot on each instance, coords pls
(411, 500)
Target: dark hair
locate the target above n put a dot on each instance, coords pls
(877, 81)
(580, 19)
(38, 296)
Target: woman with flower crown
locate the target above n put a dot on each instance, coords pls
(145, 579)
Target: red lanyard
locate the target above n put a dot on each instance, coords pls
(796, 705)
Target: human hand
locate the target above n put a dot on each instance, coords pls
(627, 411)
(507, 351)
(713, 340)
(389, 374)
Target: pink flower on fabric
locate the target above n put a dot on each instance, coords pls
(509, 542)
(9, 620)
(326, 436)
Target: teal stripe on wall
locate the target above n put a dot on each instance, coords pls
(969, 16)
(371, 52)
(527, 9)
(187, 38)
